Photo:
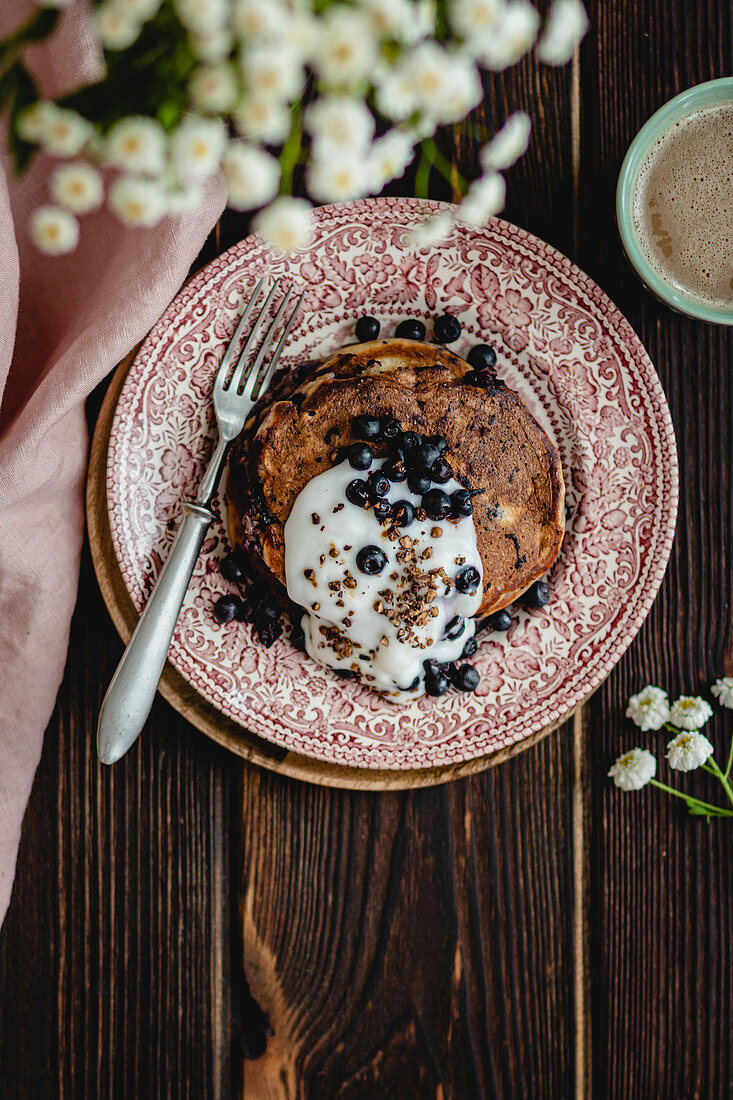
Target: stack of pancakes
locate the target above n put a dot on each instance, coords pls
(494, 444)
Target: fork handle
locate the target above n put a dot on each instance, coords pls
(132, 689)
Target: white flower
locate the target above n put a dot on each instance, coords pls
(690, 712)
(260, 118)
(688, 751)
(389, 156)
(141, 10)
(215, 45)
(633, 770)
(512, 36)
(649, 709)
(35, 120)
(214, 87)
(430, 231)
(340, 121)
(77, 186)
(64, 133)
(486, 197)
(55, 3)
(723, 691)
(272, 70)
(117, 29)
(251, 174)
(137, 201)
(339, 177)
(260, 18)
(54, 230)
(138, 144)
(197, 146)
(345, 49)
(391, 18)
(566, 24)
(508, 144)
(286, 224)
(202, 16)
(474, 20)
(395, 93)
(181, 198)
(446, 85)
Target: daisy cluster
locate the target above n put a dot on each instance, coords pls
(688, 749)
(351, 94)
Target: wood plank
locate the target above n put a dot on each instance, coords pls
(661, 909)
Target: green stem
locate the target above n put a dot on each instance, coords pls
(719, 811)
(444, 166)
(729, 765)
(715, 770)
(290, 154)
(422, 175)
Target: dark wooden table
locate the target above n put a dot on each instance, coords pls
(529, 932)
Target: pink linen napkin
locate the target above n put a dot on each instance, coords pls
(65, 322)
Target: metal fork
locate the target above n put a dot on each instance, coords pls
(132, 689)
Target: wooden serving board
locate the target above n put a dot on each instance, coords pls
(187, 701)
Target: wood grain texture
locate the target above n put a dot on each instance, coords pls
(527, 932)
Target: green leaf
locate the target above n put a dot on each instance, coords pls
(21, 91)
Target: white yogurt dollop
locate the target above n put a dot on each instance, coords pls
(381, 626)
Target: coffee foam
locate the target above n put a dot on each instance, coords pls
(683, 205)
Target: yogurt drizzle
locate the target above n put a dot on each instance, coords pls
(382, 626)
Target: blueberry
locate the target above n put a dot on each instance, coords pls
(410, 330)
(436, 684)
(360, 456)
(227, 608)
(365, 427)
(357, 492)
(382, 509)
(470, 647)
(297, 639)
(371, 559)
(269, 611)
(455, 627)
(482, 357)
(468, 579)
(389, 428)
(447, 328)
(268, 631)
(403, 513)
(367, 328)
(466, 678)
(461, 503)
(423, 457)
(419, 483)
(232, 567)
(537, 595)
(441, 471)
(500, 620)
(409, 441)
(432, 667)
(346, 673)
(395, 470)
(378, 485)
(439, 442)
(437, 505)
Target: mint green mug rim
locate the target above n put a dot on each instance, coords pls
(700, 95)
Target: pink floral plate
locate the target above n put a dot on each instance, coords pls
(578, 365)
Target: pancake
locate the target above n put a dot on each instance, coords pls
(493, 442)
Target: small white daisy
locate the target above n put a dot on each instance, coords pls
(142, 10)
(137, 201)
(197, 146)
(430, 231)
(688, 751)
(117, 29)
(649, 709)
(272, 70)
(213, 46)
(689, 712)
(252, 175)
(33, 121)
(339, 177)
(77, 186)
(345, 49)
(447, 85)
(286, 224)
(633, 770)
(390, 18)
(182, 198)
(486, 197)
(566, 24)
(214, 87)
(395, 92)
(512, 36)
(340, 121)
(389, 156)
(202, 16)
(260, 118)
(261, 19)
(64, 133)
(54, 230)
(508, 144)
(137, 144)
(723, 691)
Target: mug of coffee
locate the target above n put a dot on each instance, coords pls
(674, 202)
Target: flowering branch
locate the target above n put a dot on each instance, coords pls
(688, 749)
(354, 91)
